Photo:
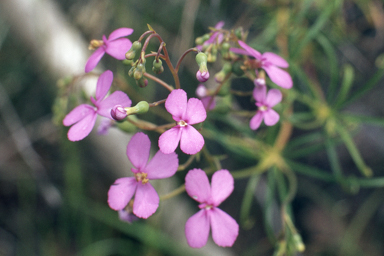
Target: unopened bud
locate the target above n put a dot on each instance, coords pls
(137, 74)
(143, 82)
(300, 246)
(236, 68)
(201, 91)
(136, 46)
(201, 58)
(118, 113)
(130, 55)
(157, 67)
(202, 76)
(127, 62)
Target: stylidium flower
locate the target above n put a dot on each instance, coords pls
(185, 114)
(115, 45)
(202, 76)
(209, 102)
(270, 62)
(146, 198)
(265, 101)
(83, 117)
(216, 37)
(224, 228)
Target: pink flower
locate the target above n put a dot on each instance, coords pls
(114, 46)
(216, 37)
(146, 198)
(265, 102)
(202, 76)
(224, 227)
(83, 117)
(270, 62)
(185, 114)
(209, 102)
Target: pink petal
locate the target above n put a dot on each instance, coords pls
(221, 186)
(118, 48)
(260, 93)
(162, 166)
(197, 229)
(239, 51)
(103, 84)
(250, 50)
(94, 59)
(138, 150)
(197, 185)
(191, 141)
(278, 76)
(81, 129)
(121, 192)
(256, 120)
(146, 200)
(195, 112)
(224, 228)
(219, 24)
(176, 103)
(77, 114)
(169, 140)
(275, 59)
(271, 117)
(120, 32)
(116, 98)
(274, 96)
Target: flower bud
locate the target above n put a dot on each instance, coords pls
(142, 82)
(130, 55)
(158, 67)
(201, 91)
(137, 74)
(140, 108)
(202, 76)
(236, 68)
(118, 113)
(300, 246)
(127, 62)
(136, 46)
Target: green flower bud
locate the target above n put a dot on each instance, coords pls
(136, 46)
(127, 62)
(137, 74)
(143, 82)
(199, 40)
(157, 67)
(201, 58)
(126, 126)
(299, 245)
(130, 55)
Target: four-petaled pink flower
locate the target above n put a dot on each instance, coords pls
(224, 227)
(185, 114)
(146, 198)
(265, 101)
(270, 62)
(115, 45)
(83, 117)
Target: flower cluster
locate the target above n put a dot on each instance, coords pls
(134, 197)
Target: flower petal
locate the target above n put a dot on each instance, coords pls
(169, 140)
(250, 50)
(103, 84)
(279, 76)
(256, 120)
(221, 186)
(116, 98)
(191, 140)
(176, 103)
(271, 117)
(94, 59)
(120, 32)
(118, 48)
(81, 129)
(275, 59)
(77, 114)
(138, 150)
(197, 185)
(146, 200)
(162, 166)
(197, 229)
(274, 96)
(260, 93)
(121, 192)
(239, 51)
(195, 112)
(209, 101)
(224, 228)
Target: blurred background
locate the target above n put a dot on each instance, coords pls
(53, 193)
